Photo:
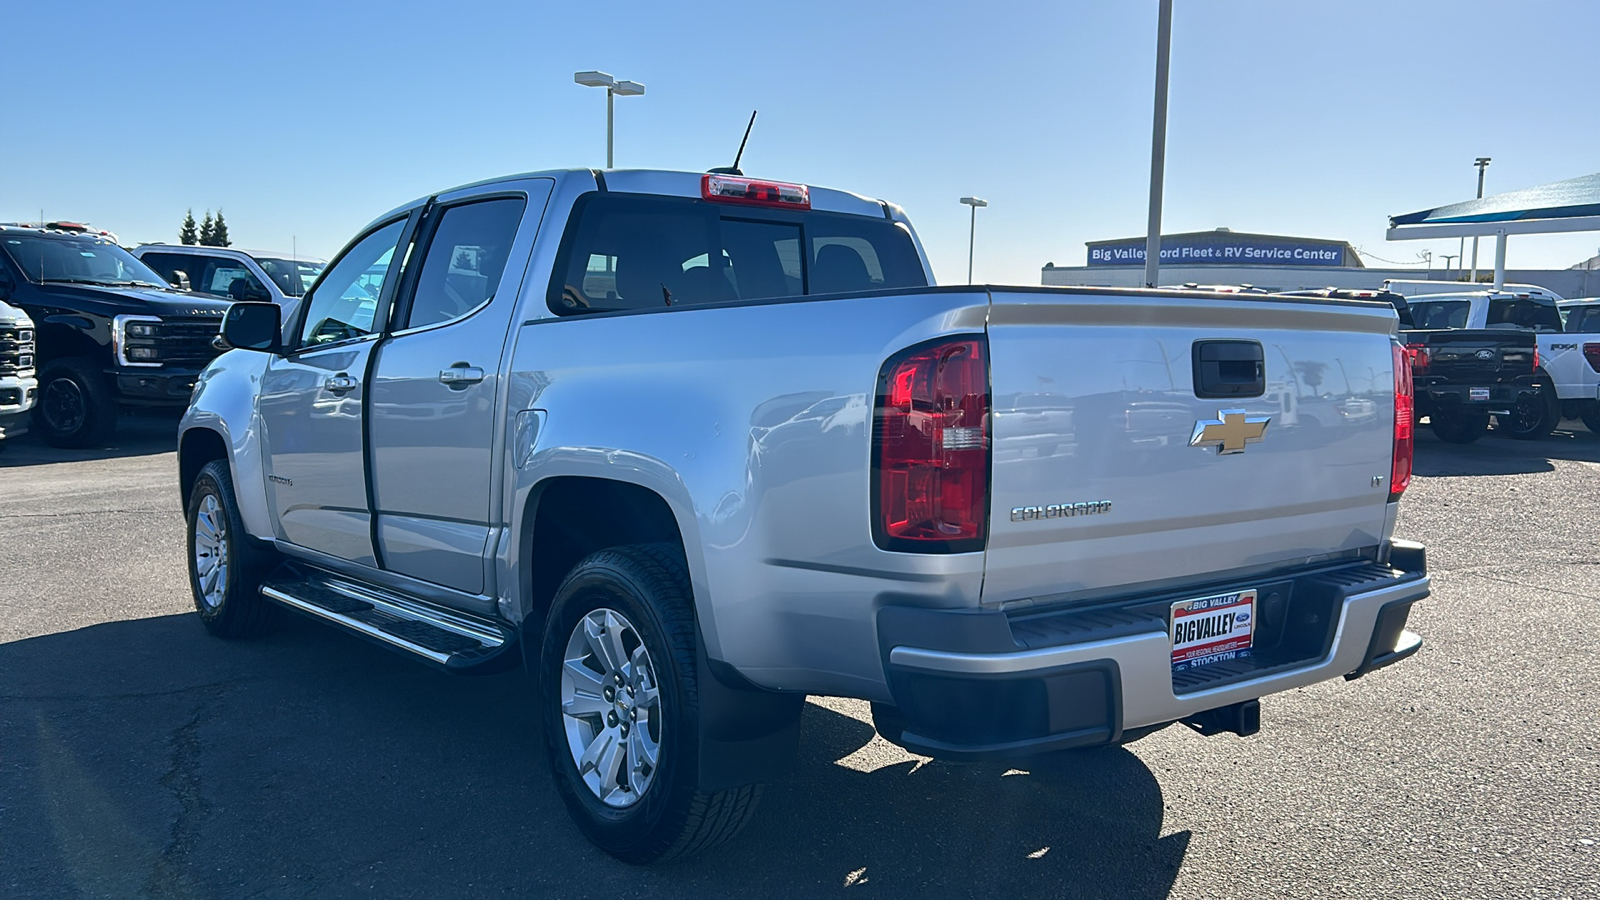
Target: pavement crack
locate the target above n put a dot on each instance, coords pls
(168, 877)
(1525, 584)
(129, 695)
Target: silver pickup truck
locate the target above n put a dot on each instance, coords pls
(692, 447)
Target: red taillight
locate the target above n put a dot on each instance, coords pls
(749, 191)
(1405, 424)
(930, 449)
(1536, 357)
(1591, 352)
(1420, 357)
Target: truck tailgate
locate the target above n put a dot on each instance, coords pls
(1095, 487)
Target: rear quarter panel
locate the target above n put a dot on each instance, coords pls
(753, 422)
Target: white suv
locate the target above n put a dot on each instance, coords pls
(282, 278)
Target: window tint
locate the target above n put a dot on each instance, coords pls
(1440, 313)
(466, 257)
(633, 252)
(345, 303)
(1583, 319)
(1524, 312)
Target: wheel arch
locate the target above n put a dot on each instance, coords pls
(568, 517)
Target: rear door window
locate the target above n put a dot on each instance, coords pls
(465, 259)
(1583, 320)
(638, 252)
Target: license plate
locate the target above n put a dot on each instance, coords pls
(1478, 393)
(1212, 629)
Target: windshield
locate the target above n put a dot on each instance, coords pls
(292, 276)
(77, 260)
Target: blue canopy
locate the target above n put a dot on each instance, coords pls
(1572, 205)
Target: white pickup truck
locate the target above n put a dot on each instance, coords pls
(1567, 378)
(692, 447)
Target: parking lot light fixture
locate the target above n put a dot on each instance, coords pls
(614, 88)
(972, 232)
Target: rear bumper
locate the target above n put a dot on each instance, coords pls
(1447, 398)
(1080, 678)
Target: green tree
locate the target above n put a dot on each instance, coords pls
(188, 234)
(208, 231)
(219, 232)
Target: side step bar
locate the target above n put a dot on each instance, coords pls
(446, 638)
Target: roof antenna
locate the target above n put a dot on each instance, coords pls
(734, 169)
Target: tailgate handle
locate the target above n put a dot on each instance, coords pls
(1229, 369)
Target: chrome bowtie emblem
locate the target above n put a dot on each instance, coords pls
(1229, 431)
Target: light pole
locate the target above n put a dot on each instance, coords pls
(614, 89)
(1482, 163)
(1447, 266)
(972, 233)
(1158, 146)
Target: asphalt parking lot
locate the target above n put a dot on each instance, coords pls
(140, 757)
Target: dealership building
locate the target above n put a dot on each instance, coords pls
(1281, 263)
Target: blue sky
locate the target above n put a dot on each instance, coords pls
(305, 120)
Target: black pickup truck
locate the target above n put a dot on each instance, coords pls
(110, 333)
(1463, 376)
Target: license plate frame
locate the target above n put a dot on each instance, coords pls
(1210, 629)
(1477, 393)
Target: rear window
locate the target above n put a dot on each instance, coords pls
(1524, 312)
(635, 252)
(1440, 313)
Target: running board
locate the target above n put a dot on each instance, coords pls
(450, 640)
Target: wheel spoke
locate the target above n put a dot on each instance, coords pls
(584, 679)
(600, 645)
(642, 751)
(584, 703)
(610, 764)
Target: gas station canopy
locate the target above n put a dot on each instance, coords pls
(1572, 205)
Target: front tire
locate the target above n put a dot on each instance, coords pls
(76, 408)
(619, 701)
(1459, 428)
(225, 565)
(1534, 416)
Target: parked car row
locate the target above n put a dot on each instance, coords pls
(106, 329)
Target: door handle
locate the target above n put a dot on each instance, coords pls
(341, 384)
(460, 375)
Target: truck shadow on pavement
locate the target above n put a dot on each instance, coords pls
(138, 434)
(1496, 455)
(145, 758)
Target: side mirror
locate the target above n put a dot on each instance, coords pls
(179, 280)
(253, 326)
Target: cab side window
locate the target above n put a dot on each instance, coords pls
(345, 303)
(465, 259)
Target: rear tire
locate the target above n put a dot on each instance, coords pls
(1534, 416)
(1591, 417)
(1459, 428)
(225, 565)
(618, 684)
(76, 406)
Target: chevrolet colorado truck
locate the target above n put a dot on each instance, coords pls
(692, 447)
(109, 332)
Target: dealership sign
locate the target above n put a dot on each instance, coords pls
(1221, 248)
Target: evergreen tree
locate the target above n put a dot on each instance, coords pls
(188, 234)
(219, 232)
(208, 231)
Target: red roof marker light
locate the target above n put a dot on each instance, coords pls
(753, 192)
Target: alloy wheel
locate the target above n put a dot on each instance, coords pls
(611, 708)
(64, 405)
(211, 551)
